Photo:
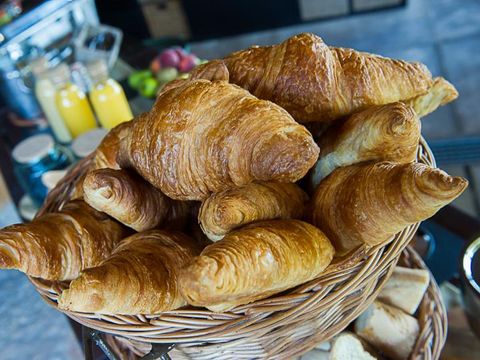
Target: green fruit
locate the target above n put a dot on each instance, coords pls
(136, 78)
(183, 76)
(166, 75)
(148, 87)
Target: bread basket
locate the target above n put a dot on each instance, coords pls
(280, 327)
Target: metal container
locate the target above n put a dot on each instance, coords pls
(470, 276)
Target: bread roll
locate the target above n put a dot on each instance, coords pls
(255, 262)
(348, 346)
(405, 289)
(388, 329)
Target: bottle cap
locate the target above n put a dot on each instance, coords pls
(86, 143)
(39, 66)
(98, 70)
(33, 149)
(59, 75)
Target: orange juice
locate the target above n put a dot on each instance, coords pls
(107, 97)
(73, 105)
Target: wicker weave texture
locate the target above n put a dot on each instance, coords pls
(283, 326)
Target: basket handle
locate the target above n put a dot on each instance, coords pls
(90, 336)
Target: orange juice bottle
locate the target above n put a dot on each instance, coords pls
(107, 96)
(72, 104)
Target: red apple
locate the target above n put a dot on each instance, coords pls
(188, 63)
(169, 58)
(180, 51)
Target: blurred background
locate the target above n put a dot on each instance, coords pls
(65, 64)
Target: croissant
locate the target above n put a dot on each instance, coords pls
(126, 197)
(212, 70)
(386, 132)
(105, 155)
(314, 82)
(57, 246)
(441, 93)
(255, 262)
(224, 211)
(369, 203)
(204, 137)
(140, 277)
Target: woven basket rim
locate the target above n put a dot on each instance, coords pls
(331, 301)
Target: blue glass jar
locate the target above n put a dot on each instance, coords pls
(32, 158)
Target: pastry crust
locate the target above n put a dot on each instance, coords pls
(382, 133)
(441, 93)
(140, 277)
(57, 246)
(233, 208)
(127, 197)
(205, 137)
(315, 82)
(255, 262)
(369, 203)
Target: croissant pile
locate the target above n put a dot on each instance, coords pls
(245, 180)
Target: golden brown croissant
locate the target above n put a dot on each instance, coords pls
(383, 133)
(255, 262)
(57, 246)
(314, 82)
(368, 204)
(105, 156)
(126, 197)
(140, 277)
(106, 153)
(441, 93)
(204, 137)
(212, 70)
(232, 208)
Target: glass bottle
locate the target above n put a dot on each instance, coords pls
(107, 96)
(46, 95)
(73, 106)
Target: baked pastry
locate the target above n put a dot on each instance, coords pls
(315, 82)
(441, 93)
(212, 70)
(405, 289)
(255, 262)
(388, 329)
(57, 246)
(205, 137)
(140, 277)
(382, 133)
(348, 346)
(369, 203)
(106, 153)
(229, 209)
(126, 197)
(105, 156)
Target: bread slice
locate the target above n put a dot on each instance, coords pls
(315, 355)
(348, 346)
(388, 329)
(405, 289)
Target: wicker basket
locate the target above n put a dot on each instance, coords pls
(280, 327)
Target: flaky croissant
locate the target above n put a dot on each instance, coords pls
(57, 246)
(255, 262)
(382, 133)
(204, 137)
(441, 93)
(140, 277)
(314, 82)
(127, 197)
(107, 151)
(229, 209)
(369, 203)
